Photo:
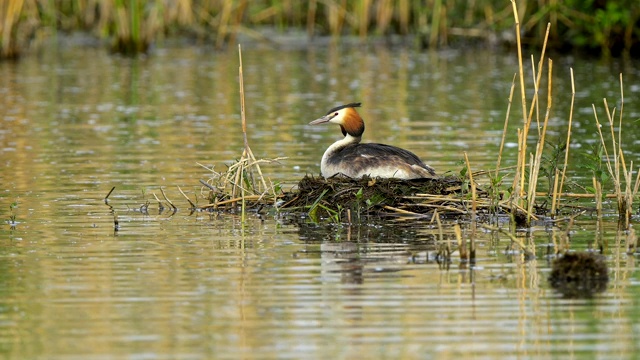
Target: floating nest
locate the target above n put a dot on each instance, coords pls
(579, 274)
(332, 197)
(343, 198)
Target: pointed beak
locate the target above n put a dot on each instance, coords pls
(321, 120)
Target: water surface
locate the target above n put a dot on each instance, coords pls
(77, 121)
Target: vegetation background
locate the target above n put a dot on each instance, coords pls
(601, 27)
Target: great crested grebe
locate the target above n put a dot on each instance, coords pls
(353, 159)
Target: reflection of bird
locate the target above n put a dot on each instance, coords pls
(353, 159)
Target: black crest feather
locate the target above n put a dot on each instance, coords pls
(343, 107)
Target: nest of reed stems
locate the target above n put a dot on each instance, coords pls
(336, 197)
(341, 199)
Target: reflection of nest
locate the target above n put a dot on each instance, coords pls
(579, 274)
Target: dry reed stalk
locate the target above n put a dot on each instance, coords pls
(625, 198)
(133, 24)
(233, 185)
(434, 197)
(193, 205)
(472, 242)
(537, 75)
(363, 17)
(404, 15)
(636, 184)
(533, 175)
(160, 204)
(442, 207)
(9, 18)
(535, 103)
(577, 195)
(516, 178)
(455, 198)
(629, 194)
(614, 147)
(604, 145)
(311, 18)
(164, 195)
(626, 206)
(554, 193)
(435, 24)
(440, 201)
(440, 232)
(247, 160)
(443, 246)
(506, 124)
(223, 23)
(568, 143)
(522, 144)
(462, 244)
(183, 12)
(600, 241)
(518, 194)
(232, 201)
(402, 211)
(523, 96)
(336, 17)
(528, 195)
(224, 18)
(472, 184)
(598, 197)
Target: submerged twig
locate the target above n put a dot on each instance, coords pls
(206, 184)
(193, 206)
(106, 198)
(160, 204)
(175, 209)
(116, 224)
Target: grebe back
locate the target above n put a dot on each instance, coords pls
(351, 158)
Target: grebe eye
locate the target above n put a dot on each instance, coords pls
(336, 114)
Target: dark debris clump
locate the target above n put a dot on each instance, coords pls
(579, 274)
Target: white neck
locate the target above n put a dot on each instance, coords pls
(336, 146)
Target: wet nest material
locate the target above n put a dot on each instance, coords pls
(322, 197)
(342, 198)
(579, 274)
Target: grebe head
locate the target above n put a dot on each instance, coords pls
(347, 117)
